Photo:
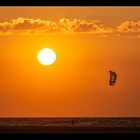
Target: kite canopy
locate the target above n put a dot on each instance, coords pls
(113, 77)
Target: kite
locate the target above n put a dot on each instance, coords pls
(113, 77)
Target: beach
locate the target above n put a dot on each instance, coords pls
(70, 125)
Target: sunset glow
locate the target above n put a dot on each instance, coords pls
(55, 61)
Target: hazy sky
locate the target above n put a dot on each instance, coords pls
(88, 41)
(109, 15)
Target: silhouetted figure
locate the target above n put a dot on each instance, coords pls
(72, 122)
(113, 77)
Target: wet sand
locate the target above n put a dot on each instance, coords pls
(44, 129)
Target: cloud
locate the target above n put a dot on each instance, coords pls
(38, 26)
(21, 25)
(129, 26)
(128, 29)
(26, 25)
(78, 25)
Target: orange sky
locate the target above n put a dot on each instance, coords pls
(88, 43)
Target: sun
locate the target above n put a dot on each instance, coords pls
(46, 56)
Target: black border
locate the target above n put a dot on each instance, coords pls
(72, 136)
(69, 2)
